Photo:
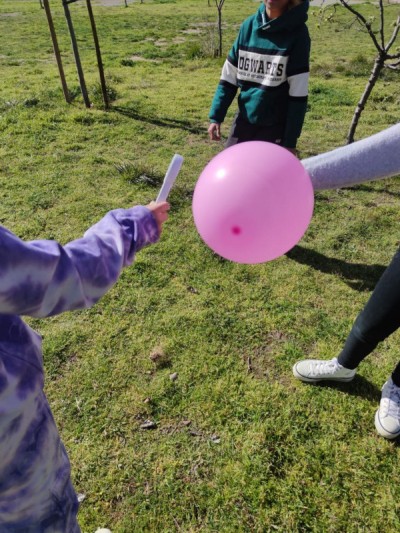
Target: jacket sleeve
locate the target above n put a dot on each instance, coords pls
(373, 158)
(42, 278)
(298, 72)
(227, 87)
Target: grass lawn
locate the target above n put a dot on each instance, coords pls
(240, 445)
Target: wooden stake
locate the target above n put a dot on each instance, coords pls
(98, 54)
(56, 51)
(76, 53)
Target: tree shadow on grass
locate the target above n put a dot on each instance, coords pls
(164, 122)
(358, 276)
(369, 188)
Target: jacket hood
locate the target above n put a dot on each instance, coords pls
(294, 17)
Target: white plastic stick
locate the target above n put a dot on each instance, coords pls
(170, 177)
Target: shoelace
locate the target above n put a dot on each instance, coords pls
(323, 367)
(391, 402)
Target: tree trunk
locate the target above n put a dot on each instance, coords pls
(378, 66)
(220, 31)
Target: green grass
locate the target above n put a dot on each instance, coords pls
(239, 444)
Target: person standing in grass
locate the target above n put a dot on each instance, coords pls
(372, 158)
(39, 279)
(269, 63)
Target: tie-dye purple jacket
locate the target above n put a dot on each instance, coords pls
(43, 278)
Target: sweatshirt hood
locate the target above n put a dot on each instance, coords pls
(291, 19)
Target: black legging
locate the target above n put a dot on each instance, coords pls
(379, 318)
(242, 131)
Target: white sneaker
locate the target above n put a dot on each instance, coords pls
(314, 370)
(387, 417)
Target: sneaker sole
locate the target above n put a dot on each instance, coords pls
(382, 431)
(317, 380)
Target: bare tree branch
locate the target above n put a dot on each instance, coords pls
(393, 66)
(394, 34)
(364, 21)
(382, 26)
(380, 60)
(392, 56)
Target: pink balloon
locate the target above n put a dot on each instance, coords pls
(253, 202)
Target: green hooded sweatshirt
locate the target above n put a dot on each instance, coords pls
(269, 62)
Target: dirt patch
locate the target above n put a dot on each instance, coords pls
(140, 58)
(166, 42)
(161, 42)
(6, 15)
(111, 2)
(261, 362)
(194, 31)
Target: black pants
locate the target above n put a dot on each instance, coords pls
(242, 131)
(379, 318)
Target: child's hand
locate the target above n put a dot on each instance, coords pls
(160, 212)
(214, 131)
